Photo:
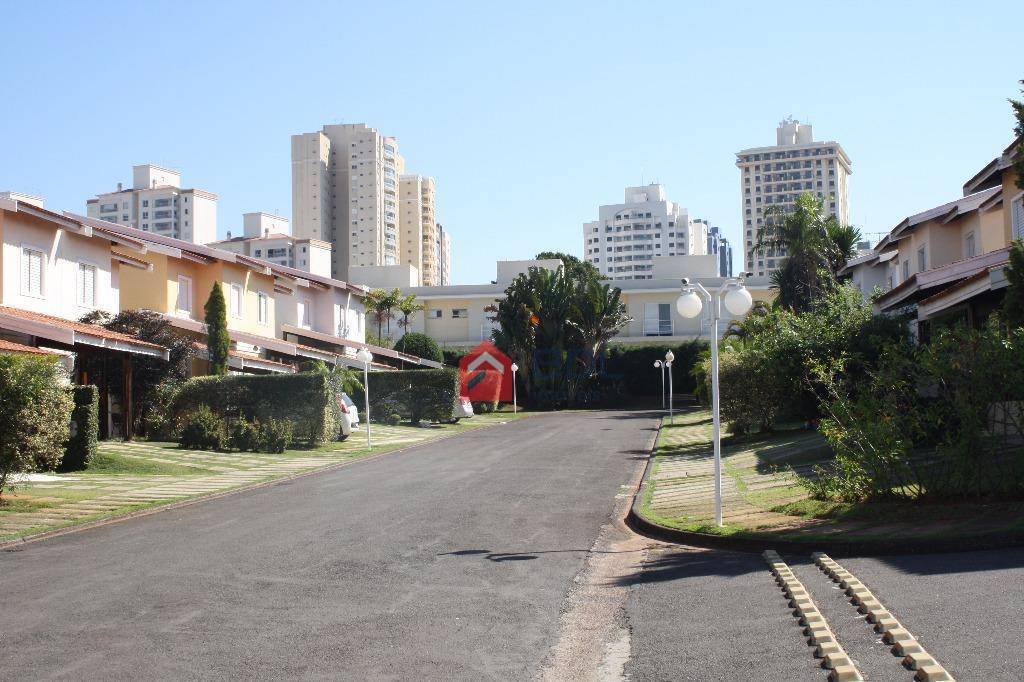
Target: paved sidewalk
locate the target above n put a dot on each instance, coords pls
(681, 487)
(68, 499)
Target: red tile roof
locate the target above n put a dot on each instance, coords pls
(80, 327)
(11, 347)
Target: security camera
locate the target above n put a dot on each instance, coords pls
(686, 280)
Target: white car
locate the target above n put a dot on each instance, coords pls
(463, 409)
(349, 417)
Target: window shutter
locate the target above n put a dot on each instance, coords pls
(86, 285)
(1017, 217)
(32, 272)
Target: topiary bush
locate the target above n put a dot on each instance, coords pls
(35, 415)
(393, 419)
(203, 430)
(420, 345)
(416, 394)
(275, 435)
(83, 442)
(484, 406)
(307, 400)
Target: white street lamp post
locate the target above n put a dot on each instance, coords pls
(689, 304)
(659, 364)
(669, 358)
(364, 356)
(515, 405)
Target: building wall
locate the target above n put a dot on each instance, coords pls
(311, 206)
(203, 222)
(63, 252)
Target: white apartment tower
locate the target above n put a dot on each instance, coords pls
(626, 237)
(267, 237)
(345, 184)
(157, 203)
(443, 249)
(776, 176)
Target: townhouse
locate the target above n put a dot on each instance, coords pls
(947, 264)
(54, 269)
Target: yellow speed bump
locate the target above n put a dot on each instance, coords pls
(816, 629)
(894, 634)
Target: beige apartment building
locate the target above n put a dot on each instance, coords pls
(157, 203)
(419, 238)
(775, 176)
(345, 184)
(267, 237)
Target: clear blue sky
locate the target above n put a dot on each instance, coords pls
(528, 115)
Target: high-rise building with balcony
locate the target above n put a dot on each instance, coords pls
(626, 237)
(345, 186)
(720, 247)
(157, 203)
(775, 176)
(268, 237)
(418, 228)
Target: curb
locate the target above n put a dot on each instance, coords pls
(758, 543)
(11, 545)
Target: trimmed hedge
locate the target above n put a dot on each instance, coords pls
(634, 366)
(307, 400)
(83, 443)
(417, 394)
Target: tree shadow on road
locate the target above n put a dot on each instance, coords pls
(664, 566)
(963, 562)
(523, 556)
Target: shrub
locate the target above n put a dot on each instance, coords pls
(751, 392)
(940, 421)
(275, 435)
(85, 428)
(245, 435)
(158, 422)
(393, 419)
(307, 400)
(484, 406)
(203, 430)
(35, 415)
(452, 356)
(420, 345)
(417, 394)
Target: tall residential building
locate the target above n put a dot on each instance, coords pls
(625, 238)
(776, 176)
(345, 182)
(267, 237)
(157, 203)
(720, 247)
(418, 228)
(443, 247)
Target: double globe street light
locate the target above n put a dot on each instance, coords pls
(737, 301)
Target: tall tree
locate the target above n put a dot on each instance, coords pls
(1018, 131)
(408, 306)
(815, 247)
(381, 304)
(1013, 303)
(575, 268)
(218, 344)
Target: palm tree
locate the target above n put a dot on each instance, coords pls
(814, 247)
(408, 305)
(597, 315)
(380, 303)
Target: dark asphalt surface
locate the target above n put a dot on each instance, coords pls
(713, 615)
(447, 561)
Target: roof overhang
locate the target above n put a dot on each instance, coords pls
(924, 284)
(71, 337)
(349, 343)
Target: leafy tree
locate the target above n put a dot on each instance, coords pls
(150, 375)
(35, 415)
(1013, 304)
(421, 346)
(218, 343)
(575, 268)
(816, 247)
(1018, 131)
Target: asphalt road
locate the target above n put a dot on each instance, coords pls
(450, 560)
(492, 555)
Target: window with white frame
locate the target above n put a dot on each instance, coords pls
(262, 308)
(305, 313)
(1017, 217)
(86, 285)
(184, 304)
(906, 270)
(922, 259)
(657, 319)
(435, 314)
(459, 313)
(970, 246)
(236, 300)
(32, 261)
